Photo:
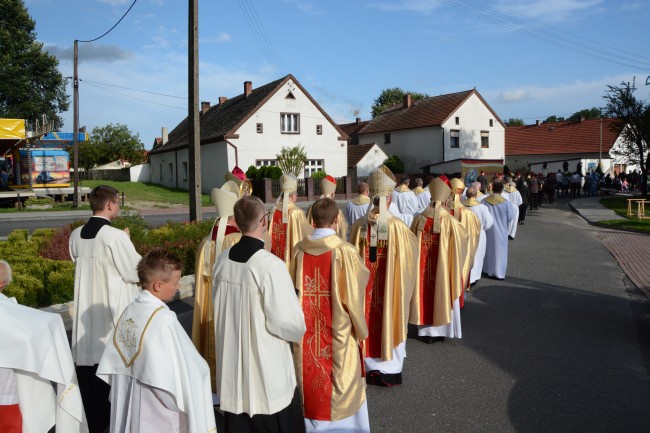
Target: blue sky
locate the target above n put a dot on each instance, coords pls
(528, 58)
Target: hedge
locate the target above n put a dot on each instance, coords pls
(43, 273)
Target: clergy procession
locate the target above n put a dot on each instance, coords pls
(294, 313)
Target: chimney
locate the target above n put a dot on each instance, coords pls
(248, 88)
(205, 106)
(582, 119)
(222, 99)
(407, 101)
(538, 122)
(358, 120)
(165, 135)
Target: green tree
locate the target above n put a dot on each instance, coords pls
(88, 155)
(395, 164)
(113, 142)
(631, 119)
(30, 82)
(587, 113)
(554, 119)
(292, 159)
(393, 96)
(515, 121)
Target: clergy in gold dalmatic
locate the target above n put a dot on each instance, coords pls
(328, 189)
(388, 249)
(223, 235)
(288, 222)
(472, 227)
(331, 279)
(442, 252)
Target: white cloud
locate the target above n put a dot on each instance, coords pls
(514, 95)
(90, 52)
(549, 11)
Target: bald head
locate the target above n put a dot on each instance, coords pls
(471, 192)
(363, 188)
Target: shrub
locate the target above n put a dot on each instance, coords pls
(25, 288)
(318, 175)
(56, 247)
(251, 173)
(395, 164)
(39, 201)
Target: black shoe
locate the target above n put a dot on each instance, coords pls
(376, 377)
(430, 340)
(511, 238)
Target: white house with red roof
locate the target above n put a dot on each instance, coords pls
(452, 133)
(251, 129)
(587, 141)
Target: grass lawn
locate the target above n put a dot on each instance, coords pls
(619, 205)
(136, 192)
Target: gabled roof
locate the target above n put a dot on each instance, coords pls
(561, 137)
(356, 152)
(424, 112)
(354, 127)
(221, 121)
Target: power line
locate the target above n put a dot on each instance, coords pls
(135, 90)
(109, 30)
(259, 37)
(133, 97)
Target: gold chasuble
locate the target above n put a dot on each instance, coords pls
(203, 322)
(330, 279)
(442, 251)
(393, 266)
(341, 227)
(472, 226)
(285, 236)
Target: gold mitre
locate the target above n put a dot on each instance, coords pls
(224, 198)
(439, 190)
(239, 177)
(457, 186)
(328, 185)
(288, 183)
(381, 182)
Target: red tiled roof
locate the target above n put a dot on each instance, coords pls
(356, 152)
(354, 127)
(561, 137)
(425, 112)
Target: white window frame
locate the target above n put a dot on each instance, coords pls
(264, 162)
(314, 165)
(290, 123)
(454, 133)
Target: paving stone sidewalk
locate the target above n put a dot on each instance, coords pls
(631, 250)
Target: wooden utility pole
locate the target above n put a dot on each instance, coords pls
(194, 135)
(75, 127)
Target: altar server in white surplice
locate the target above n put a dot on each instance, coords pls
(35, 354)
(496, 238)
(159, 382)
(358, 206)
(423, 195)
(514, 197)
(486, 219)
(406, 202)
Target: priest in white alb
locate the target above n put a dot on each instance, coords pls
(496, 238)
(358, 206)
(486, 220)
(405, 201)
(159, 382)
(35, 355)
(511, 193)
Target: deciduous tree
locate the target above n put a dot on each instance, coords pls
(292, 159)
(30, 82)
(392, 96)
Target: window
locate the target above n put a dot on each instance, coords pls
(454, 138)
(290, 123)
(457, 120)
(265, 162)
(171, 171)
(260, 128)
(319, 129)
(491, 123)
(185, 171)
(312, 166)
(485, 139)
(161, 172)
(387, 138)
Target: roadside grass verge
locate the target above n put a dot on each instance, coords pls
(138, 192)
(633, 223)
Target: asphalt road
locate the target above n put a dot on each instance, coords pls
(560, 346)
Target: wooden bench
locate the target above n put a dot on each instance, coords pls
(640, 212)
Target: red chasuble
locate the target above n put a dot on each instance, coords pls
(279, 235)
(10, 419)
(229, 230)
(317, 341)
(429, 249)
(375, 299)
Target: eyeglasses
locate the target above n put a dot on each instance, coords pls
(115, 202)
(266, 216)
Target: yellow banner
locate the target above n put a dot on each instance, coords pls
(12, 128)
